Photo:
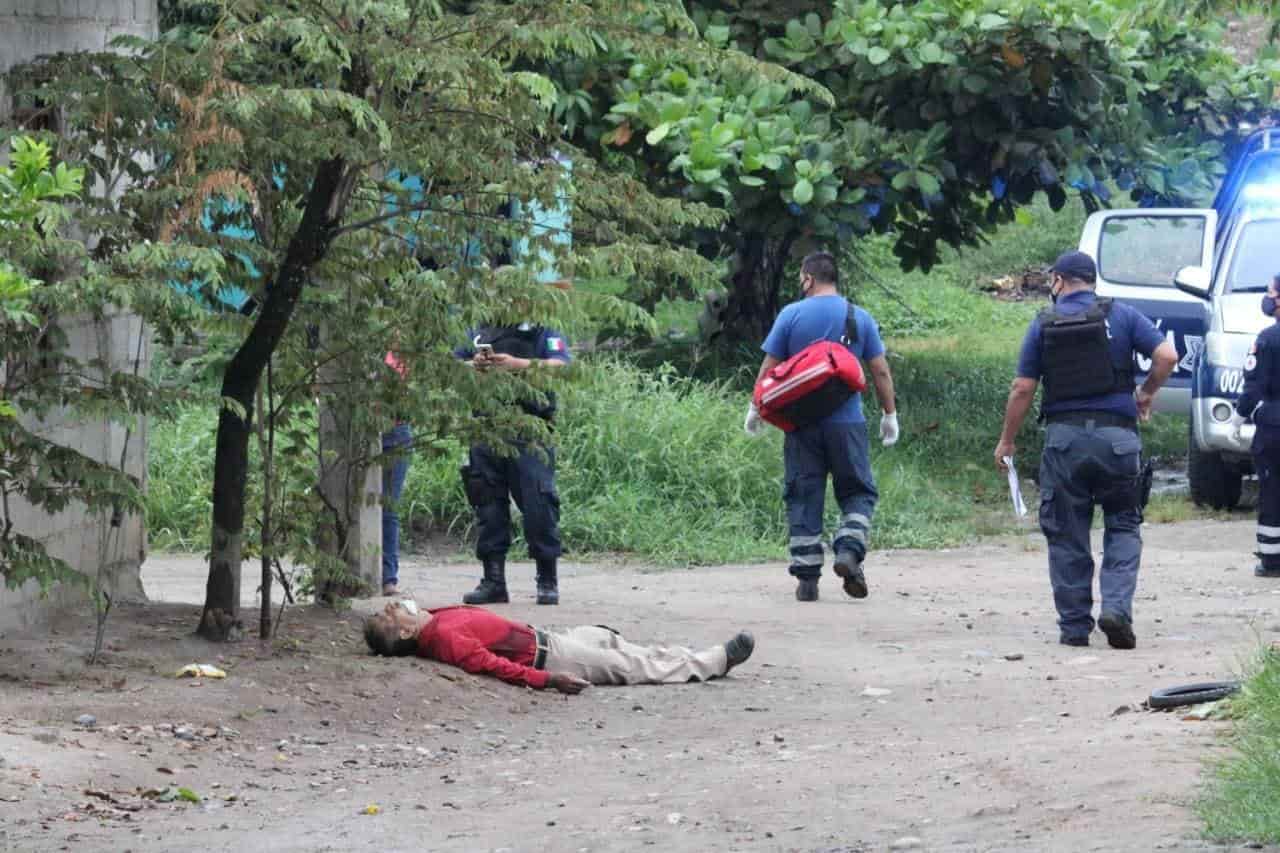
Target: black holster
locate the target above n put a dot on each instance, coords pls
(1145, 478)
(477, 488)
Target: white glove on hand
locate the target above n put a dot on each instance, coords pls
(754, 424)
(889, 429)
(1237, 425)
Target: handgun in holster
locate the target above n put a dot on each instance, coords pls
(1144, 482)
(476, 487)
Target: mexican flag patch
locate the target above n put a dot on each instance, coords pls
(555, 345)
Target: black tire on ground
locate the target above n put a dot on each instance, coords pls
(1213, 482)
(1191, 694)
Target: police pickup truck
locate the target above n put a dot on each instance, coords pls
(1200, 274)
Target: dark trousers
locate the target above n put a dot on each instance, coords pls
(394, 470)
(529, 476)
(810, 454)
(1266, 462)
(1083, 467)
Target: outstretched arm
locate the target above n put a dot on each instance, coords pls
(475, 658)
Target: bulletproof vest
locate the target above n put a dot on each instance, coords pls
(522, 342)
(1075, 355)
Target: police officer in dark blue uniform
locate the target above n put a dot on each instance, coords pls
(526, 473)
(1083, 349)
(1260, 403)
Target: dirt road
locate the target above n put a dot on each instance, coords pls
(990, 736)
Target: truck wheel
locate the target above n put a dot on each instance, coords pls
(1213, 482)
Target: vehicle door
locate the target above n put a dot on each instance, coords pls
(1138, 252)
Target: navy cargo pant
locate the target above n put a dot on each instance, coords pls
(1266, 462)
(809, 455)
(529, 476)
(1083, 466)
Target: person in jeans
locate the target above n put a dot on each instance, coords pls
(1082, 349)
(397, 444)
(836, 446)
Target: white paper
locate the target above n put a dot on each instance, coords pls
(1015, 491)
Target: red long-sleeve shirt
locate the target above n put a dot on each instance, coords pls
(482, 643)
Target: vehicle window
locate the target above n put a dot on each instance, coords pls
(1255, 261)
(1148, 250)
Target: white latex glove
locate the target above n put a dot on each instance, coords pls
(754, 424)
(889, 429)
(1237, 425)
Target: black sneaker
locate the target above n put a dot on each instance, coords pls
(1119, 630)
(739, 649)
(849, 567)
(1261, 571)
(807, 590)
(1073, 641)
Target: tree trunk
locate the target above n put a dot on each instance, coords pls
(755, 285)
(330, 192)
(351, 531)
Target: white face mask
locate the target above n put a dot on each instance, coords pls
(410, 606)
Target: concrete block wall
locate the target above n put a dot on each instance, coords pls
(28, 29)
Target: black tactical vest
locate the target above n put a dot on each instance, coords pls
(522, 342)
(1075, 355)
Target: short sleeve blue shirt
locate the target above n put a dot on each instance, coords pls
(822, 318)
(1128, 331)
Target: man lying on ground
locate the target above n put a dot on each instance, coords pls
(484, 643)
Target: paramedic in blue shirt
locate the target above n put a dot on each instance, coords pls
(835, 446)
(1083, 349)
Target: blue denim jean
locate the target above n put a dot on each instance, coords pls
(394, 468)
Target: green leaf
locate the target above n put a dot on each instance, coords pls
(904, 181)
(802, 192)
(188, 795)
(705, 176)
(804, 168)
(992, 21)
(658, 134)
(927, 183)
(878, 55)
(750, 181)
(930, 52)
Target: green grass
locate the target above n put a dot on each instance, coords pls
(1243, 801)
(180, 479)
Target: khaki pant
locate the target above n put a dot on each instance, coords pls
(602, 657)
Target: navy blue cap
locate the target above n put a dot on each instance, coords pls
(1075, 265)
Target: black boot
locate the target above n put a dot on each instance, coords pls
(493, 586)
(548, 588)
(1264, 571)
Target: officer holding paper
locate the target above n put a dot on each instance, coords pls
(1082, 349)
(836, 444)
